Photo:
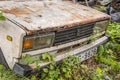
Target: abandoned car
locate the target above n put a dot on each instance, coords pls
(59, 28)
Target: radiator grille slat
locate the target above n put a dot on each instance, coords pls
(72, 34)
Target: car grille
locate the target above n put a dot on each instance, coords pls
(72, 34)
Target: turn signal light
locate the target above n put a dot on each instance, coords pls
(28, 43)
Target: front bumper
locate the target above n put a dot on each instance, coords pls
(23, 70)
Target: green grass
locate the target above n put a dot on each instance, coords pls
(101, 8)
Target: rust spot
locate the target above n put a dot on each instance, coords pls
(85, 9)
(59, 28)
(17, 11)
(27, 19)
(40, 15)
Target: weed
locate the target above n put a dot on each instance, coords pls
(1, 16)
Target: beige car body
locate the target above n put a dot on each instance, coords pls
(31, 17)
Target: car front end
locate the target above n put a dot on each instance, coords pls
(35, 28)
(81, 40)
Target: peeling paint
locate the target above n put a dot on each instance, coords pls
(41, 16)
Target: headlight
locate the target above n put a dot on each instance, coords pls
(102, 25)
(38, 42)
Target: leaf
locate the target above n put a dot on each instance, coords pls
(67, 75)
(44, 56)
(107, 78)
(84, 66)
(43, 75)
(33, 77)
(1, 14)
(64, 70)
(1, 67)
(99, 71)
(101, 50)
(60, 78)
(28, 59)
(50, 79)
(2, 18)
(47, 57)
(45, 70)
(51, 67)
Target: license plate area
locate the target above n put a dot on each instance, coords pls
(87, 54)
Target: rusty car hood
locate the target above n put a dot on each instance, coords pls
(34, 16)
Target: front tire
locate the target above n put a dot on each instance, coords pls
(2, 59)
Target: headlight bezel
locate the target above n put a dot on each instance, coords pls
(101, 25)
(50, 35)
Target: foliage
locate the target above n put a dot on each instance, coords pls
(28, 59)
(47, 57)
(108, 54)
(1, 16)
(114, 32)
(60, 72)
(100, 8)
(8, 75)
